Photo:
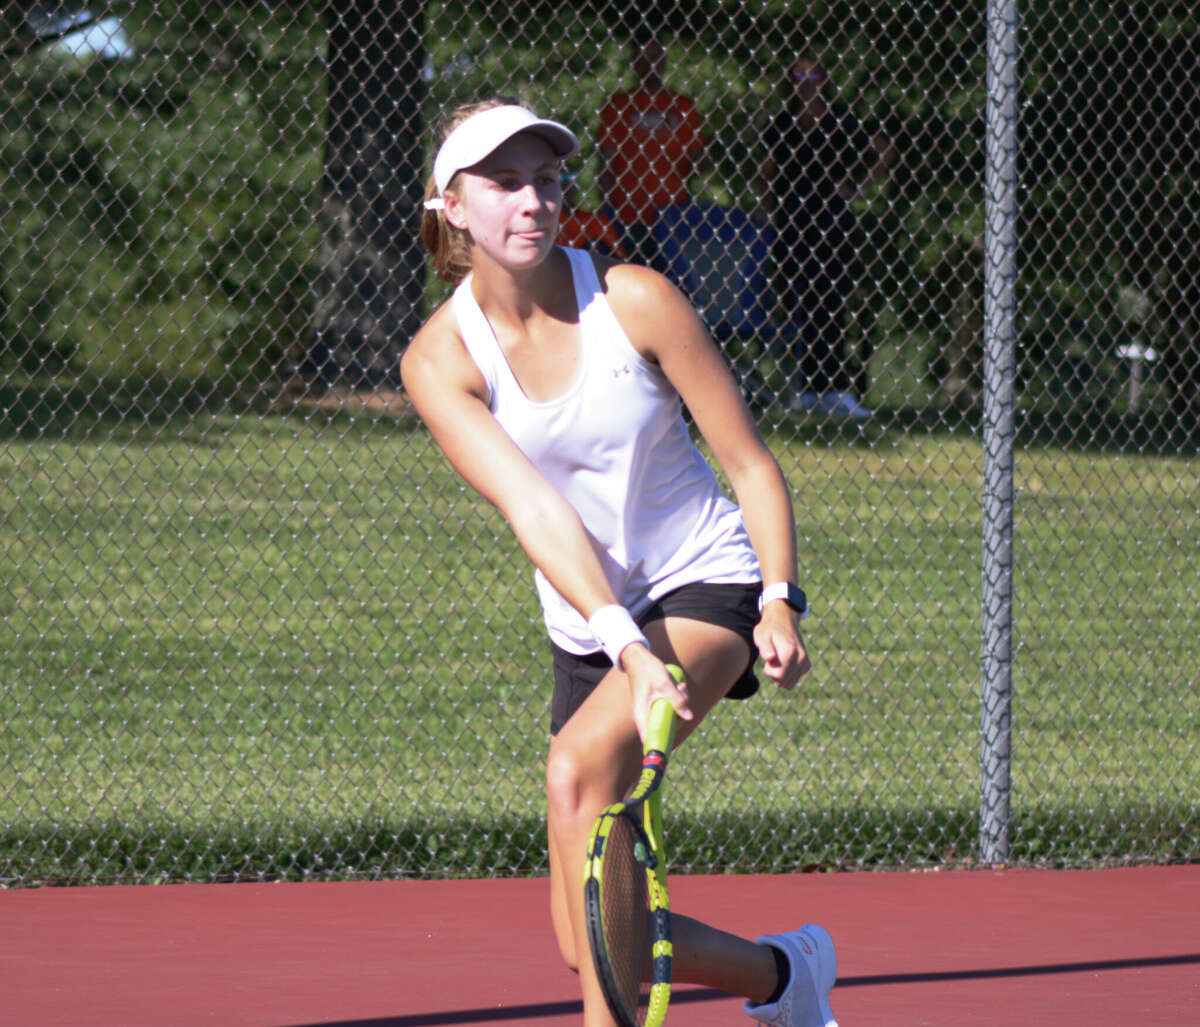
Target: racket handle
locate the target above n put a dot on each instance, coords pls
(662, 720)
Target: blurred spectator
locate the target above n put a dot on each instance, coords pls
(650, 144)
(586, 229)
(819, 156)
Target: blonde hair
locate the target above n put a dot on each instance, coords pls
(450, 247)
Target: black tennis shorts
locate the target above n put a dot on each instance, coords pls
(731, 606)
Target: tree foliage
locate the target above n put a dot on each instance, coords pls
(163, 213)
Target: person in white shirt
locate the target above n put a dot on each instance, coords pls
(554, 382)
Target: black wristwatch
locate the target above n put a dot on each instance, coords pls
(791, 594)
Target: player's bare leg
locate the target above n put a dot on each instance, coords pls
(594, 761)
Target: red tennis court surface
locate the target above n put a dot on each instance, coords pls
(1029, 947)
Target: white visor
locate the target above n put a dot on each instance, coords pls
(482, 133)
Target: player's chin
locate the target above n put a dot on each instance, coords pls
(539, 242)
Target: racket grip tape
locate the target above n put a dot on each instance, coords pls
(662, 720)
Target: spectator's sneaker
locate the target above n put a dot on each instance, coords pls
(843, 404)
(813, 963)
(806, 402)
(831, 404)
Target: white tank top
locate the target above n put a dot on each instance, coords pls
(616, 446)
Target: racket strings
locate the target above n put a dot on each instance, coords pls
(627, 924)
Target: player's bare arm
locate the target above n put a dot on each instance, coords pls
(676, 339)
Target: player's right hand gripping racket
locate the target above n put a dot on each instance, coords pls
(625, 887)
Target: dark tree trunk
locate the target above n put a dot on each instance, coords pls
(371, 289)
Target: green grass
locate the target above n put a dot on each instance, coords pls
(279, 645)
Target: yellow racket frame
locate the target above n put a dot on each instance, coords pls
(645, 804)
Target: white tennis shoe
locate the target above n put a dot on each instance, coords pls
(805, 1001)
(832, 404)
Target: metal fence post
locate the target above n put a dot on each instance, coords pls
(998, 431)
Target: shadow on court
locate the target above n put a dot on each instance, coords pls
(682, 999)
(1073, 948)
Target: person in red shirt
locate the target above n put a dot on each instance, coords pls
(650, 144)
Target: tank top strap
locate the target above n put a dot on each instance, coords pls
(478, 337)
(584, 277)
(596, 318)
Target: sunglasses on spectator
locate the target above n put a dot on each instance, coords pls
(808, 75)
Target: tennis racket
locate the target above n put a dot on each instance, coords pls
(625, 887)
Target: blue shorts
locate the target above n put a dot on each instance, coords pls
(731, 606)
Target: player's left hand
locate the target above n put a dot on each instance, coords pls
(777, 635)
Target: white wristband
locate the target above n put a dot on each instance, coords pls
(614, 629)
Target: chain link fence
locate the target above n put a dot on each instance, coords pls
(254, 627)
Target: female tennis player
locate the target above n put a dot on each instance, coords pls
(553, 381)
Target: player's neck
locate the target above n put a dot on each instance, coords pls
(519, 296)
